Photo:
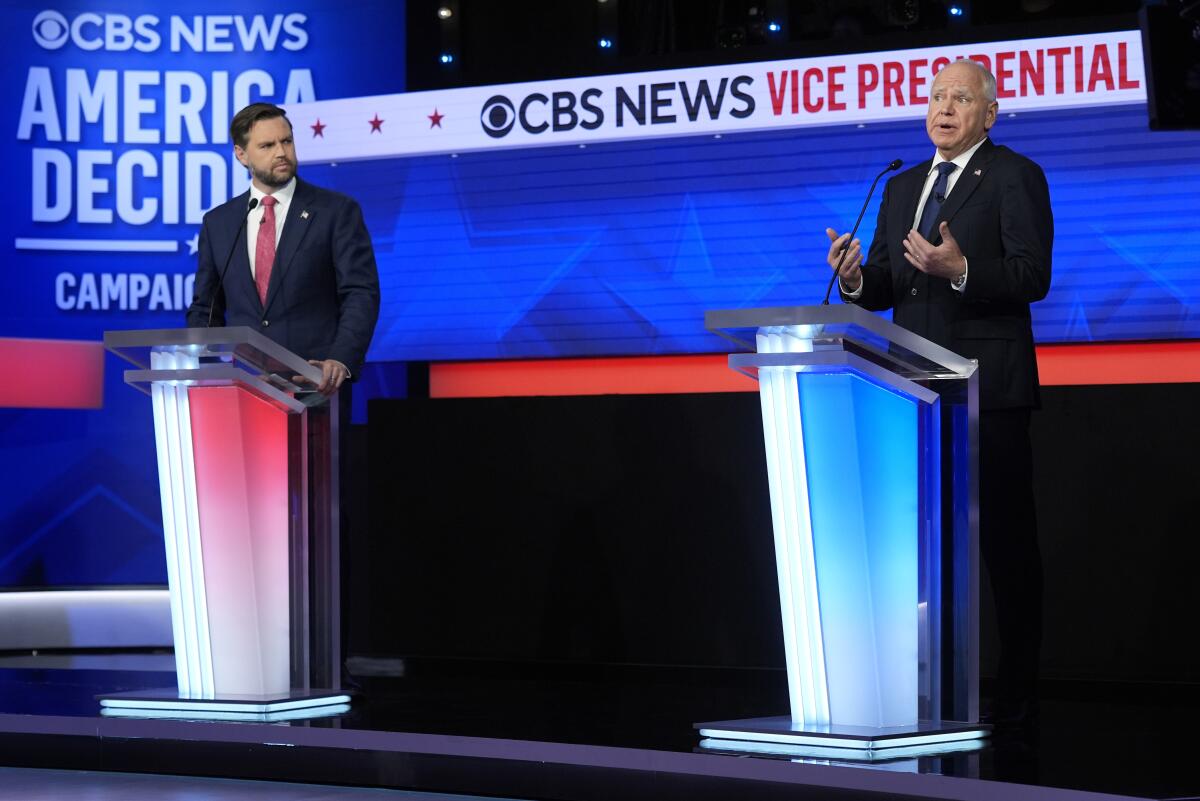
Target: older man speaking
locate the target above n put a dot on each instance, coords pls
(962, 246)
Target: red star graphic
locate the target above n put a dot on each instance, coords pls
(376, 124)
(318, 129)
(435, 119)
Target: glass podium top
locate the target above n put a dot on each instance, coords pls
(843, 327)
(235, 344)
(218, 356)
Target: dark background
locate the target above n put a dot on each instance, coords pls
(635, 530)
(492, 42)
(545, 39)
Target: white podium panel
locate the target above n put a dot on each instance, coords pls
(248, 482)
(870, 444)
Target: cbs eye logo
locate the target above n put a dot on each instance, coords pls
(50, 30)
(498, 116)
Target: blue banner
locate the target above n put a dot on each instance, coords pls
(114, 144)
(620, 247)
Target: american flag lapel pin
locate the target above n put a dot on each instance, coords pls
(304, 214)
(977, 172)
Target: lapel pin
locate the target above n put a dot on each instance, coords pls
(304, 214)
(977, 172)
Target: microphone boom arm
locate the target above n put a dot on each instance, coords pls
(837, 271)
(212, 301)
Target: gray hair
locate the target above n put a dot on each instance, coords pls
(985, 76)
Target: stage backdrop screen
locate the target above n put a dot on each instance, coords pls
(115, 119)
(588, 216)
(621, 247)
(605, 215)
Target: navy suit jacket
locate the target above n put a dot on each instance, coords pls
(999, 212)
(323, 298)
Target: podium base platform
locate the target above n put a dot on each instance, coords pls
(267, 708)
(781, 736)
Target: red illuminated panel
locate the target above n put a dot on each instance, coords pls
(52, 374)
(240, 446)
(1059, 365)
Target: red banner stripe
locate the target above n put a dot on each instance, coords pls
(631, 375)
(52, 374)
(1120, 363)
(1059, 365)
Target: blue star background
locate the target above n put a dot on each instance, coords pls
(620, 248)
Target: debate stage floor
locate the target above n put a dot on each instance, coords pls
(541, 732)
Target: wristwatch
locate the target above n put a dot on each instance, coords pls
(957, 283)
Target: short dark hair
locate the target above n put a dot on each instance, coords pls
(243, 121)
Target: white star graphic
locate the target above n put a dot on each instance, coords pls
(193, 244)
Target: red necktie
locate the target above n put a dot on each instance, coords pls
(264, 248)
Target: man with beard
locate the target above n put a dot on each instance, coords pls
(306, 274)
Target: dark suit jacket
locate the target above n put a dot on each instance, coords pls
(323, 299)
(999, 211)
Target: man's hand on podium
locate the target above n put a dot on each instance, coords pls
(333, 374)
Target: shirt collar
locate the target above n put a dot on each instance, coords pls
(282, 196)
(960, 160)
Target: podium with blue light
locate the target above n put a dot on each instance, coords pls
(247, 464)
(870, 434)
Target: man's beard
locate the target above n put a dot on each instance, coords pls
(269, 178)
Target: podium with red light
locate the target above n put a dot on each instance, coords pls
(248, 477)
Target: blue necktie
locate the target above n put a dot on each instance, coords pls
(933, 204)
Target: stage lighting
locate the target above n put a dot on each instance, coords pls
(774, 27)
(955, 11)
(445, 12)
(606, 43)
(902, 13)
(447, 58)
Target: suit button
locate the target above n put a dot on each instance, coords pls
(266, 323)
(914, 291)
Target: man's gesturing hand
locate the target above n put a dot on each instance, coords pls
(851, 272)
(944, 261)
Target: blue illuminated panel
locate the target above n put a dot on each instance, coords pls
(853, 459)
(860, 446)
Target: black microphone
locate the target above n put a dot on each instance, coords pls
(837, 272)
(212, 301)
